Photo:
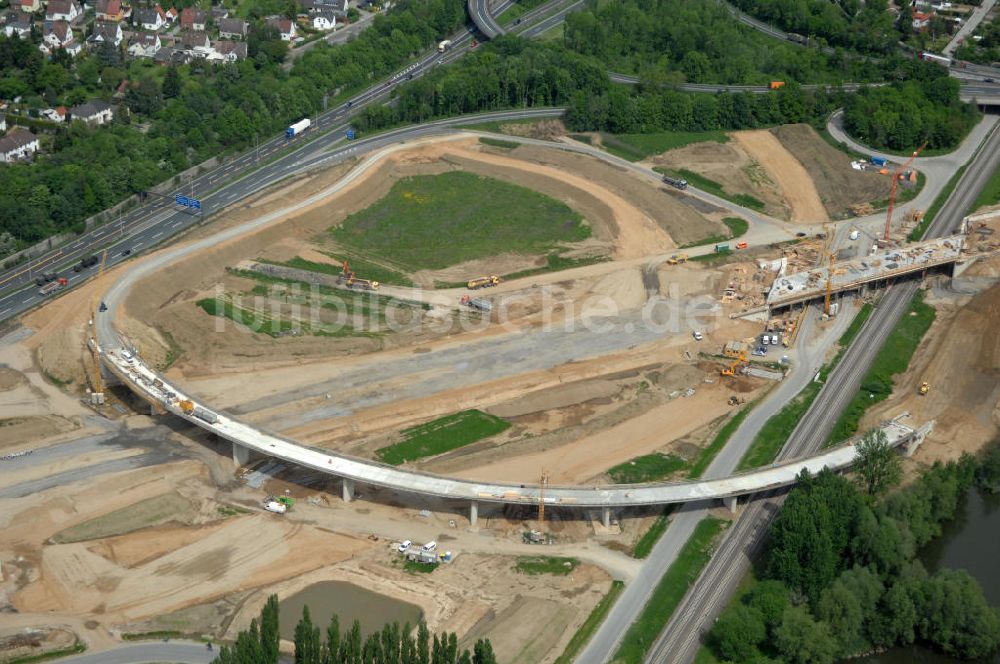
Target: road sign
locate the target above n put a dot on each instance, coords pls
(185, 201)
(350, 134)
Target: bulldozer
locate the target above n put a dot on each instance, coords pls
(925, 387)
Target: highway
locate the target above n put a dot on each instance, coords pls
(680, 641)
(479, 11)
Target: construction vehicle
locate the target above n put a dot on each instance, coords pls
(186, 406)
(679, 183)
(722, 248)
(484, 282)
(776, 85)
(731, 369)
(736, 401)
(477, 303)
(287, 501)
(892, 191)
(677, 258)
(362, 284)
(51, 287)
(741, 245)
(925, 387)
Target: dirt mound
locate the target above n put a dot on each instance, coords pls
(10, 378)
(795, 184)
(547, 130)
(839, 186)
(60, 356)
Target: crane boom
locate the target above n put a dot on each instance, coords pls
(892, 191)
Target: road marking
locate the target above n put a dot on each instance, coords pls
(4, 311)
(157, 235)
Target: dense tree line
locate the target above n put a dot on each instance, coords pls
(864, 26)
(699, 42)
(840, 574)
(393, 645)
(987, 50)
(186, 114)
(923, 107)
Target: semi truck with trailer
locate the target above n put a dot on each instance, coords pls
(53, 286)
(298, 128)
(444, 45)
(676, 182)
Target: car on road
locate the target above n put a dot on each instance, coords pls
(126, 252)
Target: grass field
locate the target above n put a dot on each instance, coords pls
(893, 359)
(149, 512)
(433, 221)
(648, 468)
(649, 538)
(591, 624)
(711, 186)
(442, 435)
(990, 194)
(669, 592)
(636, 147)
(545, 565)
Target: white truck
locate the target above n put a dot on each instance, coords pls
(275, 506)
(444, 45)
(297, 128)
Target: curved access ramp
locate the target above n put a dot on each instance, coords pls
(479, 10)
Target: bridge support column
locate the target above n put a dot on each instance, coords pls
(473, 513)
(348, 490)
(730, 503)
(241, 455)
(606, 516)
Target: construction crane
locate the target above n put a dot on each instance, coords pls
(829, 283)
(96, 384)
(541, 498)
(892, 191)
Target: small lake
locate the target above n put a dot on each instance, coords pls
(350, 603)
(970, 542)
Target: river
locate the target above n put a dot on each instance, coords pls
(970, 542)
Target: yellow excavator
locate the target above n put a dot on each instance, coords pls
(925, 387)
(731, 369)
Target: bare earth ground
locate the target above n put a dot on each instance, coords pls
(839, 186)
(788, 173)
(732, 167)
(962, 365)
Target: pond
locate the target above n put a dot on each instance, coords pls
(350, 603)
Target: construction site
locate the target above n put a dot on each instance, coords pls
(592, 332)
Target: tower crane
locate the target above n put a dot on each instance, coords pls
(892, 191)
(541, 498)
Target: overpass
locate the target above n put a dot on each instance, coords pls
(479, 10)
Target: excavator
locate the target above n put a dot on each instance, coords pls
(925, 387)
(731, 369)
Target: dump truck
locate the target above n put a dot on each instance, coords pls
(444, 45)
(679, 183)
(478, 303)
(484, 282)
(50, 288)
(205, 415)
(776, 84)
(297, 128)
(362, 284)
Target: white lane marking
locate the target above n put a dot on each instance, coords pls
(157, 235)
(4, 311)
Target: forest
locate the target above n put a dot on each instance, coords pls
(840, 576)
(258, 644)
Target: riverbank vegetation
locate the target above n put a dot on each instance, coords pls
(840, 577)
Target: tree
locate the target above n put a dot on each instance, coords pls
(956, 617)
(738, 632)
(306, 640)
(331, 649)
(879, 465)
(769, 599)
(269, 633)
(171, 83)
(802, 640)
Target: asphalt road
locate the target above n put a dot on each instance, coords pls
(479, 10)
(177, 652)
(680, 641)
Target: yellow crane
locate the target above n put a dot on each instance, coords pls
(541, 497)
(96, 384)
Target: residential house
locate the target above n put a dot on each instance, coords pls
(63, 10)
(144, 45)
(17, 25)
(219, 12)
(19, 145)
(171, 55)
(338, 7)
(151, 19)
(233, 28)
(229, 51)
(58, 35)
(323, 19)
(57, 114)
(286, 28)
(109, 32)
(96, 112)
(193, 19)
(196, 43)
(109, 11)
(921, 20)
(30, 6)
(172, 15)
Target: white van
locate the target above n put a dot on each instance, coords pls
(404, 545)
(698, 336)
(764, 340)
(430, 546)
(855, 234)
(774, 339)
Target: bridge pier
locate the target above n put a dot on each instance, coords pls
(348, 490)
(730, 503)
(606, 516)
(473, 513)
(241, 455)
